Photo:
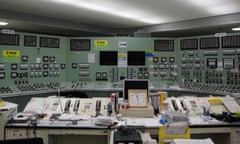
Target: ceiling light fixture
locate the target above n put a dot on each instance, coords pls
(236, 29)
(111, 9)
(216, 7)
(2, 23)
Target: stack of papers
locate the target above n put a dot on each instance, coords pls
(104, 121)
(35, 106)
(176, 116)
(193, 141)
(146, 122)
(65, 117)
(200, 120)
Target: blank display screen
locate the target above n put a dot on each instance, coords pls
(108, 58)
(136, 58)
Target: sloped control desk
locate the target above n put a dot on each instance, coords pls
(88, 133)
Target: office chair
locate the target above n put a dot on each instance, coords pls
(23, 141)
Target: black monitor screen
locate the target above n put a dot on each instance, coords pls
(108, 57)
(136, 58)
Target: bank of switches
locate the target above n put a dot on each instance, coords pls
(38, 86)
(64, 108)
(203, 87)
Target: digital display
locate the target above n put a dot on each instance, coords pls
(136, 58)
(108, 57)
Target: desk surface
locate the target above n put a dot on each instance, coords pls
(132, 122)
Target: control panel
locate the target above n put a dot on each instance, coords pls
(210, 63)
(107, 60)
(67, 107)
(33, 62)
(188, 105)
(193, 105)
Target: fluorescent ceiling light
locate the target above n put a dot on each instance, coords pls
(3, 23)
(114, 9)
(236, 29)
(216, 7)
(223, 9)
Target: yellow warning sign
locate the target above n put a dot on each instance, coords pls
(11, 53)
(100, 44)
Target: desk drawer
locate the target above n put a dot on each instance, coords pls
(16, 133)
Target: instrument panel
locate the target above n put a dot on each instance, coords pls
(34, 62)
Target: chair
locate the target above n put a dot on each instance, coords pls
(22, 141)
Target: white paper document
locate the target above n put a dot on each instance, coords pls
(193, 141)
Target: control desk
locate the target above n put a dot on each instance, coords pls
(63, 120)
